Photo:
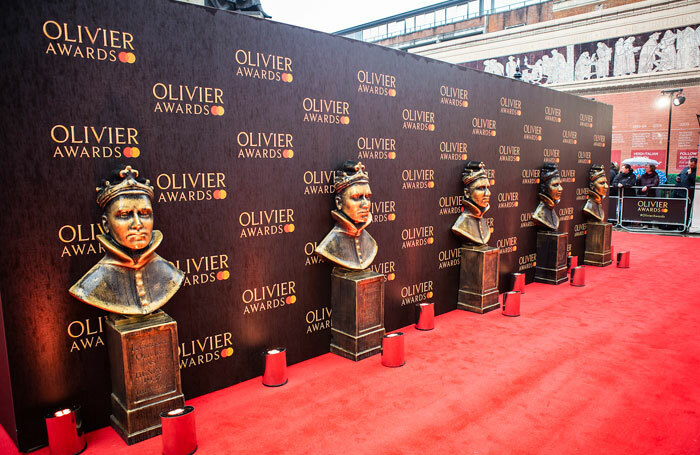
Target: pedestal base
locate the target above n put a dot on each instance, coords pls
(551, 257)
(357, 301)
(145, 373)
(478, 278)
(598, 236)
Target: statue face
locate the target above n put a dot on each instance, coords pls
(355, 202)
(478, 192)
(129, 220)
(554, 189)
(600, 186)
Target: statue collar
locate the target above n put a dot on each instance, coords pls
(474, 209)
(548, 201)
(347, 225)
(597, 198)
(118, 255)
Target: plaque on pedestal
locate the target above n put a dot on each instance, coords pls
(145, 373)
(357, 301)
(478, 278)
(597, 251)
(551, 257)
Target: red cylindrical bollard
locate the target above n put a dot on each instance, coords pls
(179, 432)
(65, 432)
(393, 354)
(623, 259)
(511, 303)
(518, 280)
(425, 316)
(572, 262)
(275, 367)
(578, 276)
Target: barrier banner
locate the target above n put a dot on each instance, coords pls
(239, 123)
(654, 210)
(613, 203)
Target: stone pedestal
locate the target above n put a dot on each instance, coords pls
(145, 373)
(598, 236)
(478, 278)
(551, 257)
(357, 300)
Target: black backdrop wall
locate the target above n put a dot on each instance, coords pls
(238, 122)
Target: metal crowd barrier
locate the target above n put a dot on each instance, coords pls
(659, 211)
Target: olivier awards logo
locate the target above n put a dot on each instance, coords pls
(566, 213)
(526, 220)
(416, 293)
(417, 236)
(483, 127)
(567, 175)
(552, 114)
(417, 179)
(263, 223)
(321, 110)
(508, 200)
(511, 106)
(585, 120)
(191, 187)
(652, 209)
(387, 268)
(456, 151)
(598, 140)
(530, 176)
(264, 145)
(569, 137)
(583, 157)
(451, 205)
(317, 320)
(376, 148)
(376, 83)
(188, 100)
(551, 155)
(527, 262)
(85, 334)
(204, 269)
(383, 211)
(88, 43)
(94, 142)
(509, 153)
(454, 96)
(581, 194)
(311, 258)
(80, 239)
(268, 297)
(507, 245)
(416, 119)
(205, 350)
(318, 182)
(579, 230)
(269, 67)
(532, 132)
(449, 258)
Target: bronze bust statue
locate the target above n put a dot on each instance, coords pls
(597, 190)
(348, 244)
(131, 279)
(471, 225)
(549, 194)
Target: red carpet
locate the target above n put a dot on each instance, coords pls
(610, 368)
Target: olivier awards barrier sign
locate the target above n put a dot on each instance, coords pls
(239, 123)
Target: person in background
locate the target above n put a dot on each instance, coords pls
(625, 180)
(614, 169)
(648, 180)
(686, 179)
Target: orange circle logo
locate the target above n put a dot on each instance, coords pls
(430, 240)
(391, 217)
(392, 155)
(431, 184)
(345, 120)
(465, 103)
(223, 275)
(227, 352)
(429, 294)
(123, 57)
(539, 138)
(517, 158)
(287, 153)
(431, 127)
(392, 92)
(464, 156)
(515, 204)
(290, 299)
(519, 112)
(493, 133)
(391, 277)
(289, 227)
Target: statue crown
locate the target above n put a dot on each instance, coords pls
(472, 171)
(351, 173)
(127, 185)
(596, 171)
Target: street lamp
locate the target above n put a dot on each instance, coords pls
(676, 100)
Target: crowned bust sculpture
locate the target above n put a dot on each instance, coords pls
(549, 194)
(471, 224)
(348, 244)
(131, 279)
(597, 190)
